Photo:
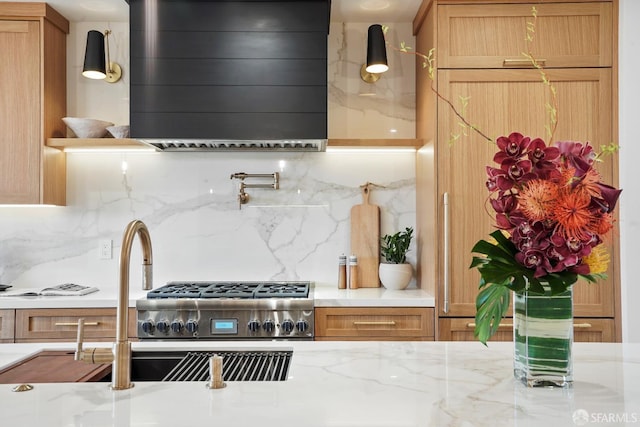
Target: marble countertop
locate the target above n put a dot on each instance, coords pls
(324, 296)
(351, 384)
(331, 296)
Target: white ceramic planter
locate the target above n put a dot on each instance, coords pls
(395, 276)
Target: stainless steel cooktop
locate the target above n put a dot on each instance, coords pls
(227, 310)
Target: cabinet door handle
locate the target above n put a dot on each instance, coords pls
(582, 325)
(445, 244)
(76, 324)
(575, 325)
(501, 325)
(522, 62)
(387, 323)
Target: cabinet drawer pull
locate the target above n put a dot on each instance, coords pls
(575, 325)
(388, 323)
(582, 325)
(76, 324)
(523, 62)
(501, 325)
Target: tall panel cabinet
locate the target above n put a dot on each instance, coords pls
(479, 57)
(33, 87)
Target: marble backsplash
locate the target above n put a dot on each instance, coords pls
(384, 109)
(198, 232)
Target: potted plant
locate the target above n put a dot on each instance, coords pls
(395, 272)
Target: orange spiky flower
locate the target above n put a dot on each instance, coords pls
(538, 199)
(604, 224)
(572, 214)
(588, 184)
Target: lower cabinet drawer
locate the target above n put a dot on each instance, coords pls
(584, 330)
(377, 323)
(7, 318)
(61, 324)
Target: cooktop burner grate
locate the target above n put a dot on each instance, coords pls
(239, 290)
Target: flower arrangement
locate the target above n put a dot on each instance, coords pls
(552, 211)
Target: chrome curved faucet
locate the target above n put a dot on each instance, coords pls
(120, 354)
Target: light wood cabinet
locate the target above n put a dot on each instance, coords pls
(33, 88)
(374, 323)
(584, 330)
(61, 324)
(567, 35)
(502, 100)
(7, 325)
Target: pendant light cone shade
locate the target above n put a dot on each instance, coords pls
(376, 50)
(94, 60)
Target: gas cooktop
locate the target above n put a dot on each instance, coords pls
(239, 290)
(227, 310)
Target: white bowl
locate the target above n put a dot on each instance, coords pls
(87, 128)
(119, 131)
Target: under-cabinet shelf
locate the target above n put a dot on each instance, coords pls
(123, 143)
(116, 143)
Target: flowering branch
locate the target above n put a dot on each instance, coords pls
(552, 108)
(428, 62)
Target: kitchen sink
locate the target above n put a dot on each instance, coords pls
(242, 365)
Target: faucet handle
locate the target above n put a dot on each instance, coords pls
(78, 354)
(215, 372)
(90, 355)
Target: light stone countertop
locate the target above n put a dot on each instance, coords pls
(331, 296)
(104, 298)
(325, 295)
(350, 384)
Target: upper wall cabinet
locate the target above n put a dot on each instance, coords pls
(33, 88)
(566, 35)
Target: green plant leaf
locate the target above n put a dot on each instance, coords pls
(492, 304)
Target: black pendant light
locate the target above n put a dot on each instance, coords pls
(94, 60)
(376, 55)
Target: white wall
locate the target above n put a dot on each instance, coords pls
(96, 98)
(384, 109)
(629, 49)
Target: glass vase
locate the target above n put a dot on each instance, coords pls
(543, 337)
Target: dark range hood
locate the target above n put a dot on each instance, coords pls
(229, 75)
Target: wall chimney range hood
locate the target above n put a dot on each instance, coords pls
(229, 75)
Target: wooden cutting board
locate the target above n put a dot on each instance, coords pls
(365, 239)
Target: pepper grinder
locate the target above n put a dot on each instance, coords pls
(342, 271)
(353, 272)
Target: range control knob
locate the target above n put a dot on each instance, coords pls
(302, 325)
(177, 326)
(162, 326)
(287, 326)
(268, 325)
(148, 326)
(253, 325)
(192, 326)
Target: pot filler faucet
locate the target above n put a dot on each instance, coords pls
(243, 197)
(120, 354)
